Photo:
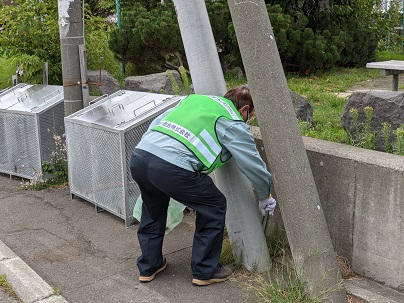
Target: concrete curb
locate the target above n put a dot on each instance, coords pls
(372, 292)
(28, 285)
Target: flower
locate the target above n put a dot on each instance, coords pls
(112, 18)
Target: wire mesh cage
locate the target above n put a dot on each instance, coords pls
(100, 142)
(30, 115)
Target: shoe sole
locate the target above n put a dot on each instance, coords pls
(145, 279)
(199, 282)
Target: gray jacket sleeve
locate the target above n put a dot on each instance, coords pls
(238, 141)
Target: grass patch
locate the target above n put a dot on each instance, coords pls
(388, 55)
(334, 80)
(57, 291)
(281, 283)
(277, 242)
(226, 256)
(7, 288)
(279, 286)
(322, 90)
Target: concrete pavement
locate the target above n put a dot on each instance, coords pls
(55, 249)
(52, 243)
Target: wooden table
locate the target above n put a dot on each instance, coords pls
(388, 68)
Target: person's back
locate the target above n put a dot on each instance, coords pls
(172, 161)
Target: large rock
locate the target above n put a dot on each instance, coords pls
(107, 85)
(303, 109)
(387, 107)
(153, 83)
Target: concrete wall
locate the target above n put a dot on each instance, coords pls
(362, 194)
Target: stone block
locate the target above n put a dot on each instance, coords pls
(106, 84)
(388, 106)
(153, 83)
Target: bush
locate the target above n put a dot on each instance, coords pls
(308, 37)
(7, 69)
(98, 53)
(147, 39)
(155, 29)
(30, 37)
(300, 47)
(355, 38)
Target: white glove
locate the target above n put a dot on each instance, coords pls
(267, 205)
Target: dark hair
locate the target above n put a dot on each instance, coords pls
(240, 96)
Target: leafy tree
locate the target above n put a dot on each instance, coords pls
(223, 33)
(345, 33)
(357, 24)
(307, 7)
(309, 35)
(98, 53)
(300, 47)
(30, 37)
(148, 39)
(101, 8)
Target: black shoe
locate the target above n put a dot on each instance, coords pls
(145, 279)
(221, 274)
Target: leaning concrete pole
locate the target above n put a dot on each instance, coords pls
(71, 36)
(243, 220)
(306, 228)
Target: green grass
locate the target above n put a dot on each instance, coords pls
(281, 285)
(7, 288)
(321, 91)
(387, 55)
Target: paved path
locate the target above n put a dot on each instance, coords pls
(91, 256)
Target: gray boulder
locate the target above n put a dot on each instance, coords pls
(387, 107)
(303, 109)
(107, 85)
(153, 83)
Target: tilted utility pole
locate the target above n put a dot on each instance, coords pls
(303, 217)
(71, 36)
(243, 220)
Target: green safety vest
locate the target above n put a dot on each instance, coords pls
(193, 124)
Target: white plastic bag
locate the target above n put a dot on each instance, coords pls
(175, 213)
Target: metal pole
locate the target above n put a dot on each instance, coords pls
(45, 74)
(243, 220)
(71, 36)
(306, 228)
(118, 13)
(402, 14)
(118, 16)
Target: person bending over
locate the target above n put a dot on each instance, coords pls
(173, 159)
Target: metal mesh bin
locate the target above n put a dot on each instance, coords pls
(100, 142)
(30, 114)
